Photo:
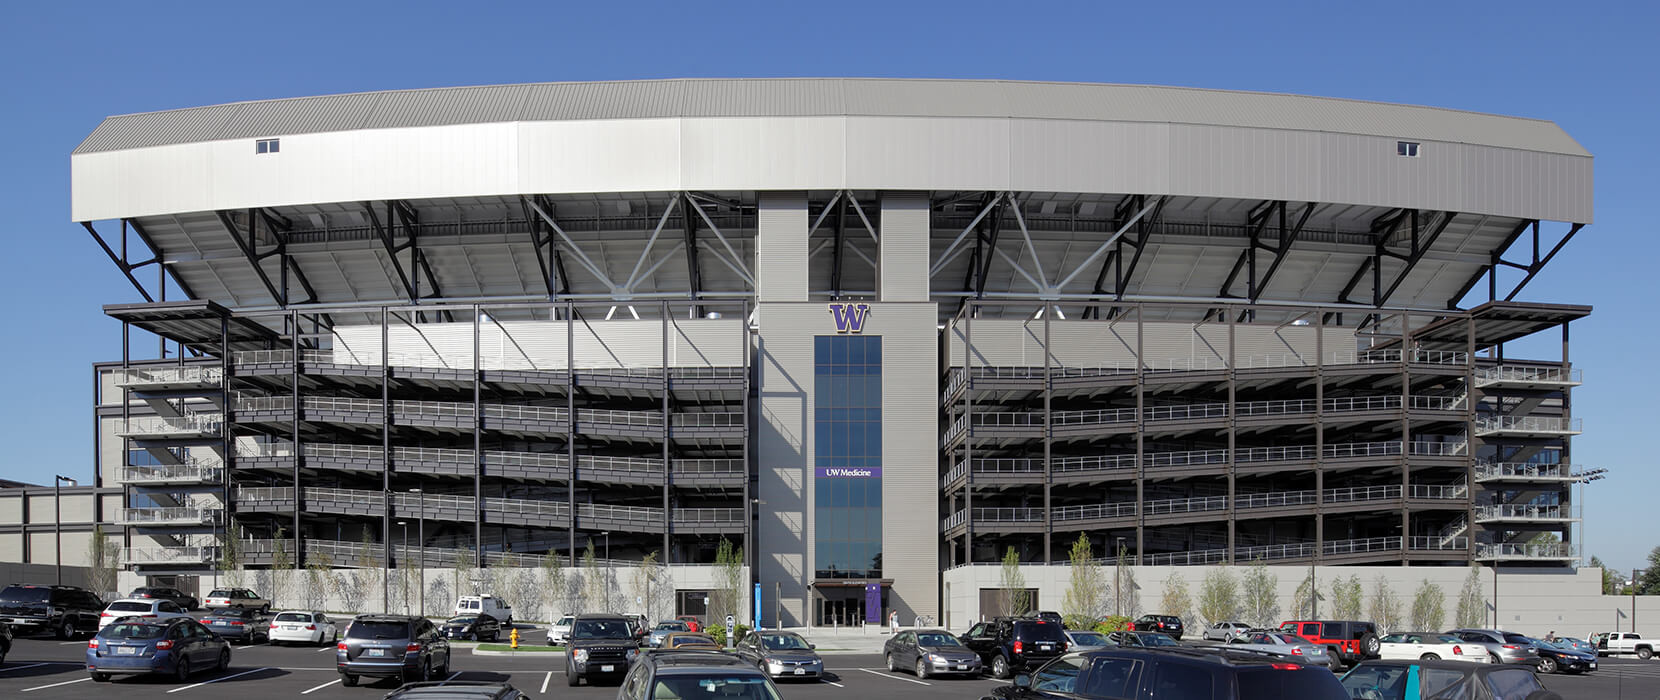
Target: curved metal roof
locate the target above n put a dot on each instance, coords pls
(785, 97)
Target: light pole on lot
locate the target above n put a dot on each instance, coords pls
(402, 574)
(607, 536)
(1117, 576)
(421, 547)
(57, 522)
(1634, 573)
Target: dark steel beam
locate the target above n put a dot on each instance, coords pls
(391, 248)
(694, 275)
(247, 248)
(836, 248)
(119, 263)
(279, 227)
(1452, 303)
(411, 221)
(151, 243)
(1259, 217)
(1542, 262)
(1287, 239)
(1419, 248)
(533, 224)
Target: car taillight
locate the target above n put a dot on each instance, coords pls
(413, 646)
(1286, 667)
(1018, 646)
(164, 645)
(341, 646)
(92, 643)
(1297, 651)
(309, 627)
(273, 625)
(105, 615)
(236, 623)
(1511, 646)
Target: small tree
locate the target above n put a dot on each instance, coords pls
(1261, 591)
(1610, 577)
(230, 556)
(1083, 596)
(1385, 609)
(1016, 600)
(318, 571)
(1428, 607)
(1303, 601)
(1346, 595)
(594, 597)
(282, 565)
(1218, 597)
(1472, 603)
(461, 571)
(729, 568)
(643, 582)
(1127, 597)
(526, 591)
(1176, 600)
(103, 562)
(553, 584)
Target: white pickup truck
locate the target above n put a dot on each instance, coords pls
(1612, 643)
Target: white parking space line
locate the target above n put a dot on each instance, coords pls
(325, 685)
(897, 678)
(545, 680)
(838, 685)
(221, 678)
(327, 649)
(54, 685)
(64, 644)
(452, 677)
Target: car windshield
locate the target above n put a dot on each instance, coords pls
(20, 594)
(565, 621)
(366, 629)
(727, 687)
(463, 620)
(937, 640)
(221, 593)
(1376, 682)
(672, 626)
(131, 630)
(294, 617)
(783, 641)
(1158, 640)
(1038, 631)
(687, 639)
(1091, 639)
(130, 607)
(600, 629)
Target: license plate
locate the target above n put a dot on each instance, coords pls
(1045, 647)
(801, 672)
(607, 668)
(962, 667)
(126, 651)
(374, 652)
(289, 628)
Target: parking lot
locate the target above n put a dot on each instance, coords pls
(47, 668)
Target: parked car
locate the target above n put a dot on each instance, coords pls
(781, 655)
(692, 622)
(1087, 641)
(1049, 616)
(175, 646)
(1285, 645)
(1351, 641)
(560, 629)
(62, 610)
(1429, 646)
(399, 646)
(654, 639)
(1576, 644)
(1187, 673)
(1439, 680)
(221, 598)
(1224, 631)
(240, 624)
(695, 675)
(1152, 640)
(456, 690)
(179, 598)
(1502, 647)
(1011, 645)
(479, 627)
(930, 653)
(690, 640)
(485, 605)
(139, 607)
(642, 625)
(1561, 659)
(599, 646)
(302, 627)
(1168, 624)
(1607, 643)
(5, 641)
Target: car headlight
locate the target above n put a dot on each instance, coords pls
(936, 659)
(775, 665)
(580, 656)
(631, 654)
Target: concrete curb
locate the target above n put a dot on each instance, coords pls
(549, 654)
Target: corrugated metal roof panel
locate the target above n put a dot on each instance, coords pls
(306, 115)
(468, 105)
(829, 97)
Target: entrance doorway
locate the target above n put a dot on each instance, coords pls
(847, 605)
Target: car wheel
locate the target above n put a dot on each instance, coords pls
(444, 671)
(1430, 657)
(224, 659)
(1645, 653)
(1547, 665)
(921, 668)
(1369, 645)
(66, 629)
(1000, 667)
(891, 665)
(571, 678)
(100, 678)
(1494, 658)
(181, 672)
(348, 680)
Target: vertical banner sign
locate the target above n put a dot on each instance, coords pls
(757, 599)
(873, 603)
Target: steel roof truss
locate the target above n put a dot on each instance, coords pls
(391, 248)
(1489, 269)
(1419, 247)
(634, 276)
(248, 253)
(951, 251)
(737, 261)
(694, 278)
(121, 260)
(1538, 262)
(581, 257)
(837, 245)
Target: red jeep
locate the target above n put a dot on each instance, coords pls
(1348, 642)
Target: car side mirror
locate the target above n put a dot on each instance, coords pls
(812, 646)
(1023, 681)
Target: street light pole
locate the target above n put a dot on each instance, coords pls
(1634, 573)
(1117, 575)
(421, 545)
(57, 523)
(607, 536)
(405, 525)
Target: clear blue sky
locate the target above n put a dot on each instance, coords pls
(1589, 66)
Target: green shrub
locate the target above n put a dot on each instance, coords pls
(1078, 622)
(718, 632)
(1112, 623)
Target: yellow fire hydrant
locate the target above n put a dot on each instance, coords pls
(514, 637)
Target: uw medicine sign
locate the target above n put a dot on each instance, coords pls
(850, 318)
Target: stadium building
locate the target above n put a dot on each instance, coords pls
(875, 332)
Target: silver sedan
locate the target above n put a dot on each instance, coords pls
(1282, 644)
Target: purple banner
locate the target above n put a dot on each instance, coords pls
(873, 603)
(848, 472)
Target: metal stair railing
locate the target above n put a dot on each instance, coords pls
(1486, 376)
(151, 376)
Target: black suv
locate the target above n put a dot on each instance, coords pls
(1008, 645)
(695, 674)
(599, 646)
(63, 610)
(397, 646)
(1168, 624)
(1174, 674)
(455, 690)
(179, 598)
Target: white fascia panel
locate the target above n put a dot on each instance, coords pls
(764, 153)
(912, 153)
(630, 155)
(1089, 156)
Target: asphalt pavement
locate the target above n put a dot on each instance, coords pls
(49, 669)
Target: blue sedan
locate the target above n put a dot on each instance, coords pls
(175, 647)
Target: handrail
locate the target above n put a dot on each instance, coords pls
(1529, 424)
(1512, 511)
(373, 358)
(151, 376)
(707, 466)
(724, 419)
(1492, 471)
(168, 555)
(1095, 512)
(1538, 550)
(1442, 544)
(708, 515)
(173, 473)
(1540, 375)
(166, 516)
(1198, 504)
(187, 424)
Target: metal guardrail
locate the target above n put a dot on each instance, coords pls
(1487, 425)
(728, 419)
(1486, 376)
(1094, 512)
(1193, 558)
(191, 472)
(1276, 500)
(708, 466)
(196, 375)
(1186, 505)
(346, 356)
(166, 516)
(168, 555)
(1523, 471)
(1523, 512)
(708, 515)
(1542, 550)
(187, 425)
(1437, 544)
(1008, 515)
(1270, 552)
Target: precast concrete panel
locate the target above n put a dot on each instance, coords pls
(11, 509)
(910, 455)
(783, 445)
(903, 247)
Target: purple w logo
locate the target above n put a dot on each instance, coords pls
(850, 318)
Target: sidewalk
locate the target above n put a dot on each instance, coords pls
(846, 640)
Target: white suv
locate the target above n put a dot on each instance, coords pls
(150, 608)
